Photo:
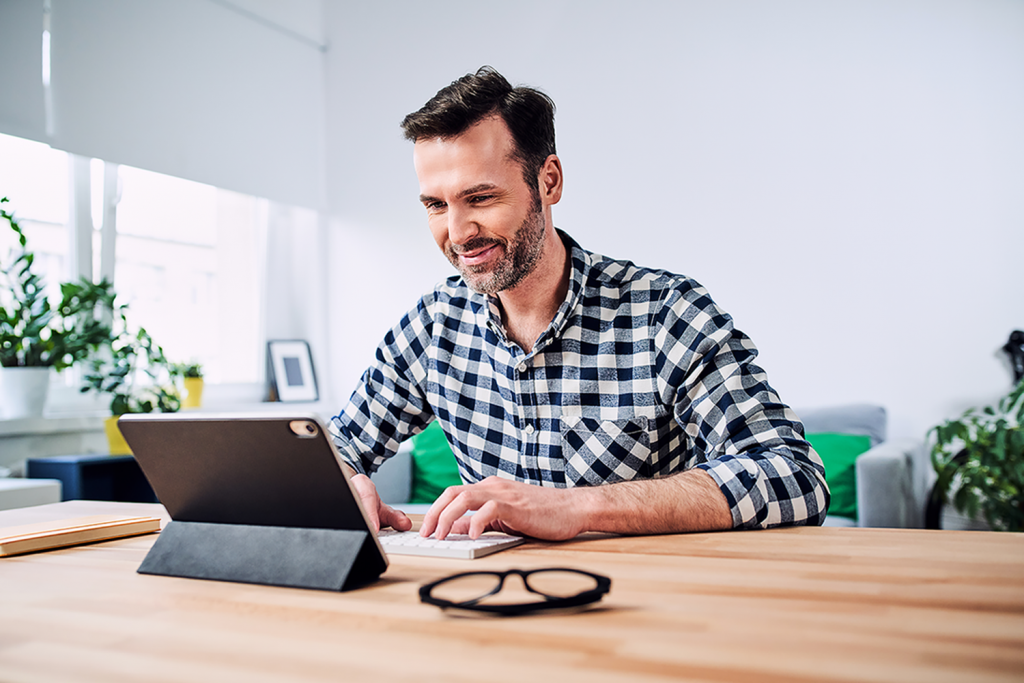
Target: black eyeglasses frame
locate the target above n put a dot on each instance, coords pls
(550, 602)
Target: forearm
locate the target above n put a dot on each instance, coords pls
(688, 501)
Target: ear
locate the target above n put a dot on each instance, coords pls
(550, 180)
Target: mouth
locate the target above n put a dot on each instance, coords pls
(477, 256)
(475, 253)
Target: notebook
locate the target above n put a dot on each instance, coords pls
(29, 538)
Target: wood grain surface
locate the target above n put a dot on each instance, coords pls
(818, 604)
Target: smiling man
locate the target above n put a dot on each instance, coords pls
(578, 393)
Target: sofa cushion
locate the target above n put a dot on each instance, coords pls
(433, 465)
(839, 453)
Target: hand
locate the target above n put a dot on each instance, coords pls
(381, 515)
(506, 506)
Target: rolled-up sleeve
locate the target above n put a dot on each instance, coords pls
(736, 427)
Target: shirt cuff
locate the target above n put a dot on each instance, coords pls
(765, 490)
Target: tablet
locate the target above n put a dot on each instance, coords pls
(253, 470)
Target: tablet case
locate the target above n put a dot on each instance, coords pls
(254, 499)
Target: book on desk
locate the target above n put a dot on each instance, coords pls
(28, 538)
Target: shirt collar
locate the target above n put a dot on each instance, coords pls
(487, 308)
(579, 269)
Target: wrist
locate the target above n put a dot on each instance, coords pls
(594, 508)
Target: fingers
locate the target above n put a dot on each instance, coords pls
(396, 519)
(484, 520)
(380, 514)
(430, 519)
(461, 525)
(367, 492)
(449, 506)
(445, 516)
(509, 507)
(477, 524)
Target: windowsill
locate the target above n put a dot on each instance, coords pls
(217, 399)
(55, 424)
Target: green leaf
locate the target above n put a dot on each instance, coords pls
(981, 456)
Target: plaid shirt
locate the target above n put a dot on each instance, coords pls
(639, 375)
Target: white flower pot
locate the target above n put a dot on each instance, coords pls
(954, 520)
(23, 392)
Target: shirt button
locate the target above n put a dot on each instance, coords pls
(522, 367)
(528, 429)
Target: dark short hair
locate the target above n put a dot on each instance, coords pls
(528, 113)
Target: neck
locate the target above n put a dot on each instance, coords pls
(528, 309)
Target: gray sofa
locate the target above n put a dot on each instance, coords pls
(893, 478)
(394, 478)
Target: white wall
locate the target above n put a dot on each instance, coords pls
(845, 177)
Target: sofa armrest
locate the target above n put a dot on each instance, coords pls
(886, 495)
(394, 478)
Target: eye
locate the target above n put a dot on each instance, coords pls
(480, 198)
(434, 206)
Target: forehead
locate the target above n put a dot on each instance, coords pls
(482, 154)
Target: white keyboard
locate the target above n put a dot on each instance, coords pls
(457, 546)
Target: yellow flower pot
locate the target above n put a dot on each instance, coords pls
(118, 446)
(193, 392)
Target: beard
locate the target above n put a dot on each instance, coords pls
(520, 256)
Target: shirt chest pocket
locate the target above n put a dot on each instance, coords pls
(605, 451)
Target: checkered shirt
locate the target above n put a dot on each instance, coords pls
(639, 375)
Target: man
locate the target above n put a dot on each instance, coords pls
(578, 393)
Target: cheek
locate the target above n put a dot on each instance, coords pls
(438, 229)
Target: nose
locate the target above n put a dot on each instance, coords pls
(461, 226)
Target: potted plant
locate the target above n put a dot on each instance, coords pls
(35, 336)
(192, 380)
(136, 374)
(979, 459)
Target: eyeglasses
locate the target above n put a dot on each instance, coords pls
(545, 589)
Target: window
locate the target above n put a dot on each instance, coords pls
(188, 265)
(34, 178)
(188, 260)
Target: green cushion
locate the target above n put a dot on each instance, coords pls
(839, 452)
(433, 465)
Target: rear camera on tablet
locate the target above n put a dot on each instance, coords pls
(305, 429)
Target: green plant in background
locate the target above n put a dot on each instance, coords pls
(980, 462)
(135, 372)
(188, 370)
(35, 334)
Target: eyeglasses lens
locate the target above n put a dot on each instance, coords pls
(469, 588)
(561, 584)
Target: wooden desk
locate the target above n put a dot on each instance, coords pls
(786, 605)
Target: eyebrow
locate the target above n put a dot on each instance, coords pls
(482, 187)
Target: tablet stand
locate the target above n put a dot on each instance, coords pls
(326, 559)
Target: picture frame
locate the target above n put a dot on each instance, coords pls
(290, 371)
